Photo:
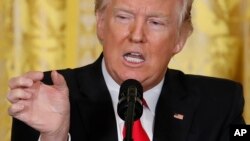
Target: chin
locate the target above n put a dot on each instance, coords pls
(131, 76)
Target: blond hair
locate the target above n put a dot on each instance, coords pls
(184, 11)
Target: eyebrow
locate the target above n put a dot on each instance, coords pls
(155, 14)
(158, 15)
(122, 10)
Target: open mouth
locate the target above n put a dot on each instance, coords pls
(134, 57)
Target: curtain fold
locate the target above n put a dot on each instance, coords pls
(246, 57)
(32, 37)
(55, 34)
(220, 43)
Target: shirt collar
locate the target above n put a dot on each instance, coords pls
(151, 96)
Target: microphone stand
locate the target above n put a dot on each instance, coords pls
(129, 121)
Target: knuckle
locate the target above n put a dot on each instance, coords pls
(12, 111)
(15, 82)
(12, 81)
(14, 95)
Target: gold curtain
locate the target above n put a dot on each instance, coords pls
(220, 43)
(55, 34)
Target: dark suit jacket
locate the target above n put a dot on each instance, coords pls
(209, 106)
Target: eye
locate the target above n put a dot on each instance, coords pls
(157, 24)
(122, 16)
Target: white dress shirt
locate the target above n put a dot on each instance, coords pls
(151, 97)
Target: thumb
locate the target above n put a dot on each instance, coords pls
(59, 82)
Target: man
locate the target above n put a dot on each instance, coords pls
(139, 37)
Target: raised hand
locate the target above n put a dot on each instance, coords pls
(44, 107)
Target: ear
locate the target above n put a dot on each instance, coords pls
(100, 24)
(184, 33)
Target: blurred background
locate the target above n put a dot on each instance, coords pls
(55, 34)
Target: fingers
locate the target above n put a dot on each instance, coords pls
(59, 81)
(18, 94)
(15, 109)
(25, 80)
(20, 82)
(19, 90)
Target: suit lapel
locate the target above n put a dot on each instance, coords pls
(97, 114)
(95, 105)
(175, 109)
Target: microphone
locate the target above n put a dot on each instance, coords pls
(130, 107)
(130, 91)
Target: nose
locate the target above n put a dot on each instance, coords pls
(137, 33)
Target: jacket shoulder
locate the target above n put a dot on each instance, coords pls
(204, 82)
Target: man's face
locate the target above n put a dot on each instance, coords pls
(139, 37)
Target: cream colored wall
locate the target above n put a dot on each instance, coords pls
(55, 34)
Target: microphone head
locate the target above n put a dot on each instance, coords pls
(129, 88)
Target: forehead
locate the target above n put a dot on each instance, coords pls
(167, 7)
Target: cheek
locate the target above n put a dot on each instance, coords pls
(115, 34)
(162, 51)
(165, 43)
(161, 59)
(163, 48)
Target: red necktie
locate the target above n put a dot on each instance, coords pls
(139, 134)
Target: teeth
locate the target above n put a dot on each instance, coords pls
(133, 60)
(134, 57)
